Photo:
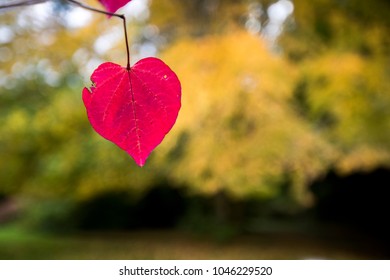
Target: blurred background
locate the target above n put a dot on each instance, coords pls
(281, 149)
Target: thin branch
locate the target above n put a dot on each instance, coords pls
(121, 16)
(21, 4)
(81, 5)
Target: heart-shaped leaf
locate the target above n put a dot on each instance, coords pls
(113, 5)
(134, 108)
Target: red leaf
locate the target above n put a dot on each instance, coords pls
(113, 5)
(134, 108)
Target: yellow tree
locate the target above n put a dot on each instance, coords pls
(259, 110)
(342, 51)
(252, 116)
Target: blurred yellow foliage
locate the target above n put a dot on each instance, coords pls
(256, 115)
(242, 134)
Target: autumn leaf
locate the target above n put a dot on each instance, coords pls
(113, 5)
(134, 108)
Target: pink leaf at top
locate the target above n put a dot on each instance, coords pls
(113, 5)
(134, 108)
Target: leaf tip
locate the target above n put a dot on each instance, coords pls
(140, 162)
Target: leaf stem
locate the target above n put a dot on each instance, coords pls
(121, 16)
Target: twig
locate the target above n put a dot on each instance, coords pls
(81, 5)
(21, 4)
(121, 16)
